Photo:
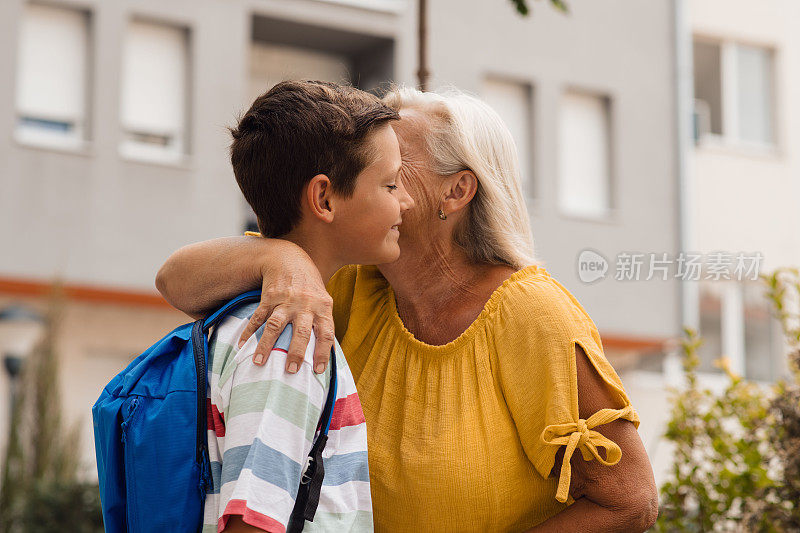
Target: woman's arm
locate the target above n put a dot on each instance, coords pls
(200, 277)
(622, 497)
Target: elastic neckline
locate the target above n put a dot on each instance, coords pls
(468, 333)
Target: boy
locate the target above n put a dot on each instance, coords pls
(319, 164)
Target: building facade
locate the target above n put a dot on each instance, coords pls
(113, 151)
(745, 169)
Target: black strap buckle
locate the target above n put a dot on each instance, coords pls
(308, 471)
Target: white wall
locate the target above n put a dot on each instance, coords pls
(747, 197)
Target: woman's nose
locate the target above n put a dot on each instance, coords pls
(406, 201)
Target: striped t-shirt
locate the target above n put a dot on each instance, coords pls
(261, 424)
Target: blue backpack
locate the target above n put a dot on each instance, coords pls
(151, 441)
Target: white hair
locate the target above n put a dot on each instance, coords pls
(465, 133)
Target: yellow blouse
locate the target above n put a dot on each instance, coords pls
(462, 437)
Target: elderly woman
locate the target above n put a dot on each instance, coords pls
(489, 403)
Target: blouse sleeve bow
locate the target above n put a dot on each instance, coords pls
(581, 435)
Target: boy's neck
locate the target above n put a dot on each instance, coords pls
(318, 249)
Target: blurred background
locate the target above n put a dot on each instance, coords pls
(647, 129)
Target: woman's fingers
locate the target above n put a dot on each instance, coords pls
(273, 328)
(325, 334)
(301, 335)
(258, 318)
(299, 298)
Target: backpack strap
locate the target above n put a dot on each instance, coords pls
(305, 505)
(200, 352)
(244, 298)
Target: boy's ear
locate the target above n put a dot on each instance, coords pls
(318, 198)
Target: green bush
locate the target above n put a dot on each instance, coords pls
(737, 454)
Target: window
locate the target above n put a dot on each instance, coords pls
(762, 335)
(271, 63)
(51, 91)
(711, 298)
(584, 155)
(390, 6)
(513, 102)
(154, 102)
(736, 321)
(707, 89)
(754, 94)
(733, 91)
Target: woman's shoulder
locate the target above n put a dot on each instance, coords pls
(533, 298)
(536, 327)
(351, 278)
(355, 289)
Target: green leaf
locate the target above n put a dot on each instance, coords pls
(522, 6)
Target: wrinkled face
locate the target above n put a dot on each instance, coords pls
(420, 181)
(369, 220)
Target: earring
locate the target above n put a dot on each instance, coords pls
(442, 215)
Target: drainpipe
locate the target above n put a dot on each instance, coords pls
(422, 45)
(684, 146)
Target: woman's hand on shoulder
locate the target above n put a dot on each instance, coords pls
(296, 294)
(200, 277)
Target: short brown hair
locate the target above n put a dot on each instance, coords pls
(293, 132)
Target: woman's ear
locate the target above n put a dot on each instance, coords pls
(319, 198)
(461, 189)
